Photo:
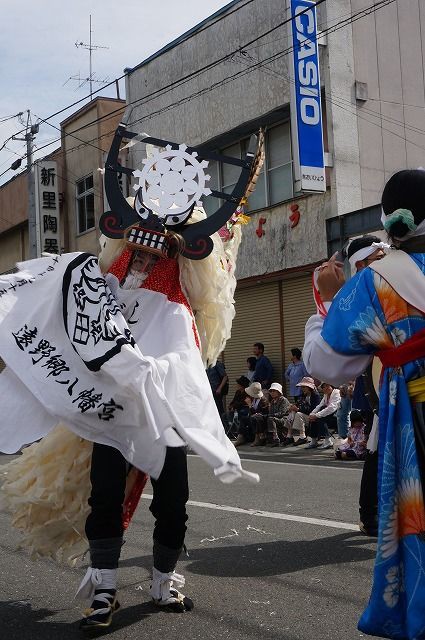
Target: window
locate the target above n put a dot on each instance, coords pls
(275, 182)
(85, 204)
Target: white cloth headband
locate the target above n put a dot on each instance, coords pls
(364, 253)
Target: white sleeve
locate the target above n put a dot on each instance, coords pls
(332, 406)
(325, 364)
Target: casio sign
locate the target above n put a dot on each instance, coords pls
(306, 109)
(307, 67)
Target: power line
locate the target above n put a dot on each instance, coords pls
(69, 134)
(336, 101)
(172, 85)
(275, 56)
(6, 118)
(271, 58)
(335, 27)
(190, 35)
(185, 78)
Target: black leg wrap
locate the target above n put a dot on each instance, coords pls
(105, 553)
(164, 558)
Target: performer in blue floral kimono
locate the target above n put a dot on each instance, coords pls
(381, 312)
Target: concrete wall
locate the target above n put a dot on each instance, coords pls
(389, 49)
(225, 106)
(84, 153)
(282, 247)
(13, 248)
(341, 117)
(13, 202)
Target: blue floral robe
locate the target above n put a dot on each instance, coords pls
(368, 315)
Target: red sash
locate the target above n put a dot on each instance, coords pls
(410, 350)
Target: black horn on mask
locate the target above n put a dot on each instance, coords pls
(198, 243)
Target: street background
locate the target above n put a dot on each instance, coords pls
(299, 569)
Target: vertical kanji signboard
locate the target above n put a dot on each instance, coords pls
(306, 107)
(47, 207)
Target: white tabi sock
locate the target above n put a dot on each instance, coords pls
(95, 580)
(162, 583)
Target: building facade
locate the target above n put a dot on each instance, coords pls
(216, 85)
(85, 140)
(372, 87)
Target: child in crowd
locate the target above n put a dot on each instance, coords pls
(355, 447)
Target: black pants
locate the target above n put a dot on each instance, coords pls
(320, 428)
(170, 494)
(250, 425)
(368, 501)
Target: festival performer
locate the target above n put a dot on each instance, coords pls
(117, 359)
(361, 252)
(381, 312)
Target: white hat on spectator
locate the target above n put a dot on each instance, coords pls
(276, 386)
(306, 382)
(254, 390)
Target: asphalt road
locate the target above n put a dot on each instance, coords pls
(279, 560)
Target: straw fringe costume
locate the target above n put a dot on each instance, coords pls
(122, 367)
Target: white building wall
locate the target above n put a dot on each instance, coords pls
(368, 140)
(389, 48)
(342, 120)
(223, 107)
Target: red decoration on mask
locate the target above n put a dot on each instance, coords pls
(120, 267)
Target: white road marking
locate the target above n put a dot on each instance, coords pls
(294, 464)
(270, 514)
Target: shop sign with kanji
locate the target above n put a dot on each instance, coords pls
(47, 207)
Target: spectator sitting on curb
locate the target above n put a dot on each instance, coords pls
(253, 423)
(355, 447)
(278, 412)
(263, 368)
(323, 417)
(308, 401)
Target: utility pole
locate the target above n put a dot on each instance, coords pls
(32, 129)
(32, 216)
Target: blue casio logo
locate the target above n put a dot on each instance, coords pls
(307, 66)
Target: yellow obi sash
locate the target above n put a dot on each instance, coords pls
(416, 389)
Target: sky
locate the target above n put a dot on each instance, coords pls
(38, 55)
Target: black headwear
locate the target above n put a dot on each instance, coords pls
(360, 243)
(405, 190)
(243, 381)
(356, 416)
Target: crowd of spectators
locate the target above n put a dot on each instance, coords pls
(312, 414)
